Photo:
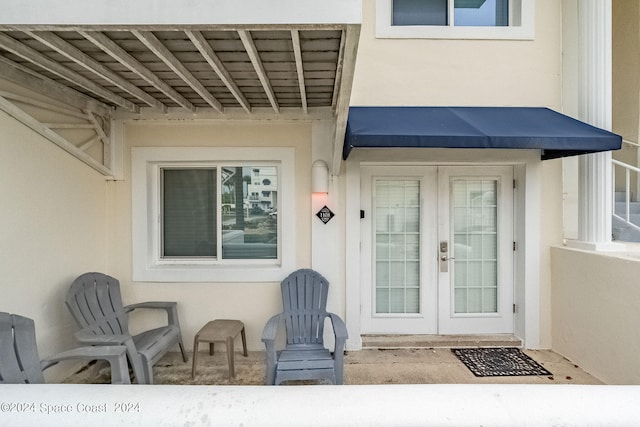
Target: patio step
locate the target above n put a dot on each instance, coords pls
(439, 341)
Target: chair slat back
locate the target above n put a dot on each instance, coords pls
(19, 359)
(96, 304)
(304, 300)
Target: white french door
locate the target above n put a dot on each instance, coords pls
(436, 249)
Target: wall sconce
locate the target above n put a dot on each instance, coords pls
(319, 177)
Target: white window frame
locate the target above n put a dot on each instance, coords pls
(149, 266)
(525, 14)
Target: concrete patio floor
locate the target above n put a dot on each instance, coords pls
(369, 366)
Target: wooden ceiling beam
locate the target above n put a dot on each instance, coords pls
(216, 64)
(76, 55)
(252, 51)
(63, 95)
(42, 61)
(160, 50)
(112, 49)
(347, 66)
(297, 51)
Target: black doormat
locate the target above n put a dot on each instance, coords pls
(498, 362)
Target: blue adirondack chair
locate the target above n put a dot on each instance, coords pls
(304, 300)
(20, 362)
(95, 303)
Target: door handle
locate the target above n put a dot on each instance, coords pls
(445, 258)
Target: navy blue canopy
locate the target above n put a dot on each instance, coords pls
(554, 134)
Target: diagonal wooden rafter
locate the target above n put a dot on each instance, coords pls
(47, 106)
(216, 64)
(297, 51)
(252, 51)
(26, 77)
(98, 128)
(42, 61)
(113, 49)
(47, 133)
(160, 50)
(89, 143)
(76, 55)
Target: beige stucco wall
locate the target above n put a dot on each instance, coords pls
(53, 222)
(595, 313)
(626, 63)
(253, 303)
(460, 72)
(626, 84)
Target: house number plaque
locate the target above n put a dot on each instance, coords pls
(325, 214)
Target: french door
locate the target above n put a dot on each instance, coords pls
(437, 249)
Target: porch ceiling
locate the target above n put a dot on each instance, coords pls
(214, 71)
(193, 68)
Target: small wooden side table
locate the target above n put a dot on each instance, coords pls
(219, 330)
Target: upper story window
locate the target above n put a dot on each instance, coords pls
(455, 19)
(478, 13)
(196, 218)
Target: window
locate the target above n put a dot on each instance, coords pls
(197, 216)
(472, 19)
(492, 13)
(189, 207)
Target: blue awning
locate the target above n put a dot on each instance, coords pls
(554, 134)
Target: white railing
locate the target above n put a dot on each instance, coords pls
(457, 405)
(628, 170)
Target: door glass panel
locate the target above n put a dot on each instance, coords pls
(475, 236)
(397, 237)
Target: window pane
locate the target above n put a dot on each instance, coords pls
(397, 240)
(249, 212)
(189, 212)
(475, 245)
(481, 13)
(419, 12)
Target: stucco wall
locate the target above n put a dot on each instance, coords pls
(626, 84)
(53, 222)
(460, 72)
(626, 63)
(595, 299)
(253, 303)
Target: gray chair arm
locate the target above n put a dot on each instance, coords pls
(115, 355)
(269, 339)
(87, 337)
(171, 307)
(339, 329)
(341, 335)
(271, 329)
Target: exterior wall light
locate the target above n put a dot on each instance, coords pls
(319, 177)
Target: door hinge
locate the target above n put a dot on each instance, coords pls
(514, 308)
(515, 246)
(514, 184)
(361, 214)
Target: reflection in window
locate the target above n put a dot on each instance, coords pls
(249, 229)
(481, 13)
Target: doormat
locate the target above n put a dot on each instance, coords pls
(498, 362)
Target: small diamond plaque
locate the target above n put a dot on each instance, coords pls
(325, 214)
